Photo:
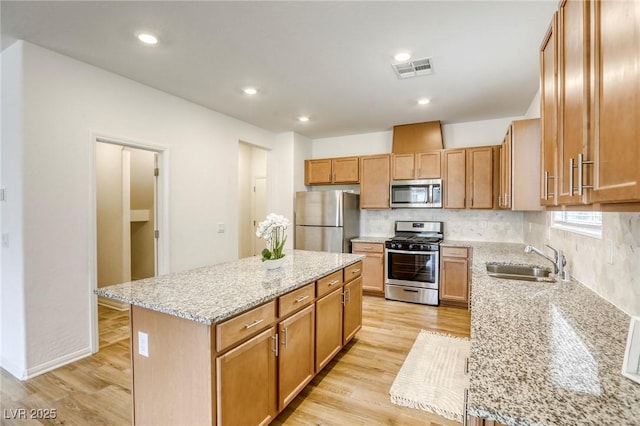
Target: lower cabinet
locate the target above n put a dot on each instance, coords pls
(454, 277)
(328, 327)
(373, 267)
(246, 377)
(296, 354)
(352, 300)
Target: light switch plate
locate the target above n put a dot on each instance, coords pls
(143, 344)
(631, 363)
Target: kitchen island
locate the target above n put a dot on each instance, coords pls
(544, 353)
(234, 343)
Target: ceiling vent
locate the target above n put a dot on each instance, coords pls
(413, 68)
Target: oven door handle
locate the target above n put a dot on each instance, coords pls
(411, 252)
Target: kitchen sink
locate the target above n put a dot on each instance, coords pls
(519, 272)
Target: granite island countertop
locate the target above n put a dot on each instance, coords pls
(545, 353)
(213, 293)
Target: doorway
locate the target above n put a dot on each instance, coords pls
(127, 229)
(252, 190)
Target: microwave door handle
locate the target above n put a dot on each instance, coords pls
(430, 202)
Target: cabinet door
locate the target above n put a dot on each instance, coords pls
(454, 178)
(428, 165)
(505, 170)
(454, 280)
(573, 91)
(346, 170)
(402, 166)
(352, 299)
(372, 267)
(549, 116)
(328, 327)
(296, 357)
(374, 182)
(616, 123)
(317, 172)
(480, 178)
(248, 373)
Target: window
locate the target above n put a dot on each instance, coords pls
(586, 223)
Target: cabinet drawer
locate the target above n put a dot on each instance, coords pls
(295, 300)
(244, 325)
(367, 248)
(352, 271)
(454, 252)
(328, 283)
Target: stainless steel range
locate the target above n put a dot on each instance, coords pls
(413, 262)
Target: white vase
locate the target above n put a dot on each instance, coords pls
(273, 264)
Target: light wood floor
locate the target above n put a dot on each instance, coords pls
(352, 390)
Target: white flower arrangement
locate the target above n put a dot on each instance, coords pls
(273, 231)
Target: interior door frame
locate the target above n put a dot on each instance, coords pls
(161, 218)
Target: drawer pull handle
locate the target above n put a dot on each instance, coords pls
(253, 324)
(367, 248)
(355, 271)
(334, 282)
(301, 298)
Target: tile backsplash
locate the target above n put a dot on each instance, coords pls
(610, 265)
(473, 225)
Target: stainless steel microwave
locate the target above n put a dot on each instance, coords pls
(424, 193)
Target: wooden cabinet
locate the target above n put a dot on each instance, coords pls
(327, 171)
(519, 184)
(248, 373)
(232, 331)
(374, 181)
(328, 327)
(573, 95)
(454, 179)
(615, 124)
(481, 177)
(352, 317)
(372, 267)
(424, 165)
(549, 115)
(454, 276)
(597, 134)
(296, 355)
(470, 177)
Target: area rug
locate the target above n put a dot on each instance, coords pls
(433, 377)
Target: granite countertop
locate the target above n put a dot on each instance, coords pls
(371, 240)
(545, 353)
(213, 293)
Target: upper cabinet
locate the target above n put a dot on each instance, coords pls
(593, 82)
(424, 165)
(549, 114)
(326, 171)
(374, 182)
(470, 177)
(519, 188)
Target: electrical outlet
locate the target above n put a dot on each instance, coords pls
(610, 252)
(221, 228)
(143, 344)
(530, 227)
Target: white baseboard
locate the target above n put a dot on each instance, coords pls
(56, 363)
(113, 304)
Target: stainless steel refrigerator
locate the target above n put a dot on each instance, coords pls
(327, 220)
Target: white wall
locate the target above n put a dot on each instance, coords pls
(13, 349)
(455, 135)
(534, 107)
(64, 101)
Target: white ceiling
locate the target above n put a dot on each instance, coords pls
(328, 60)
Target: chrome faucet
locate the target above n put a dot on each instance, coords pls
(558, 259)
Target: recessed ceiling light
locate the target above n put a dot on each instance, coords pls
(147, 38)
(303, 118)
(423, 101)
(402, 56)
(250, 90)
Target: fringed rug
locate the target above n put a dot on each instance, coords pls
(432, 377)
